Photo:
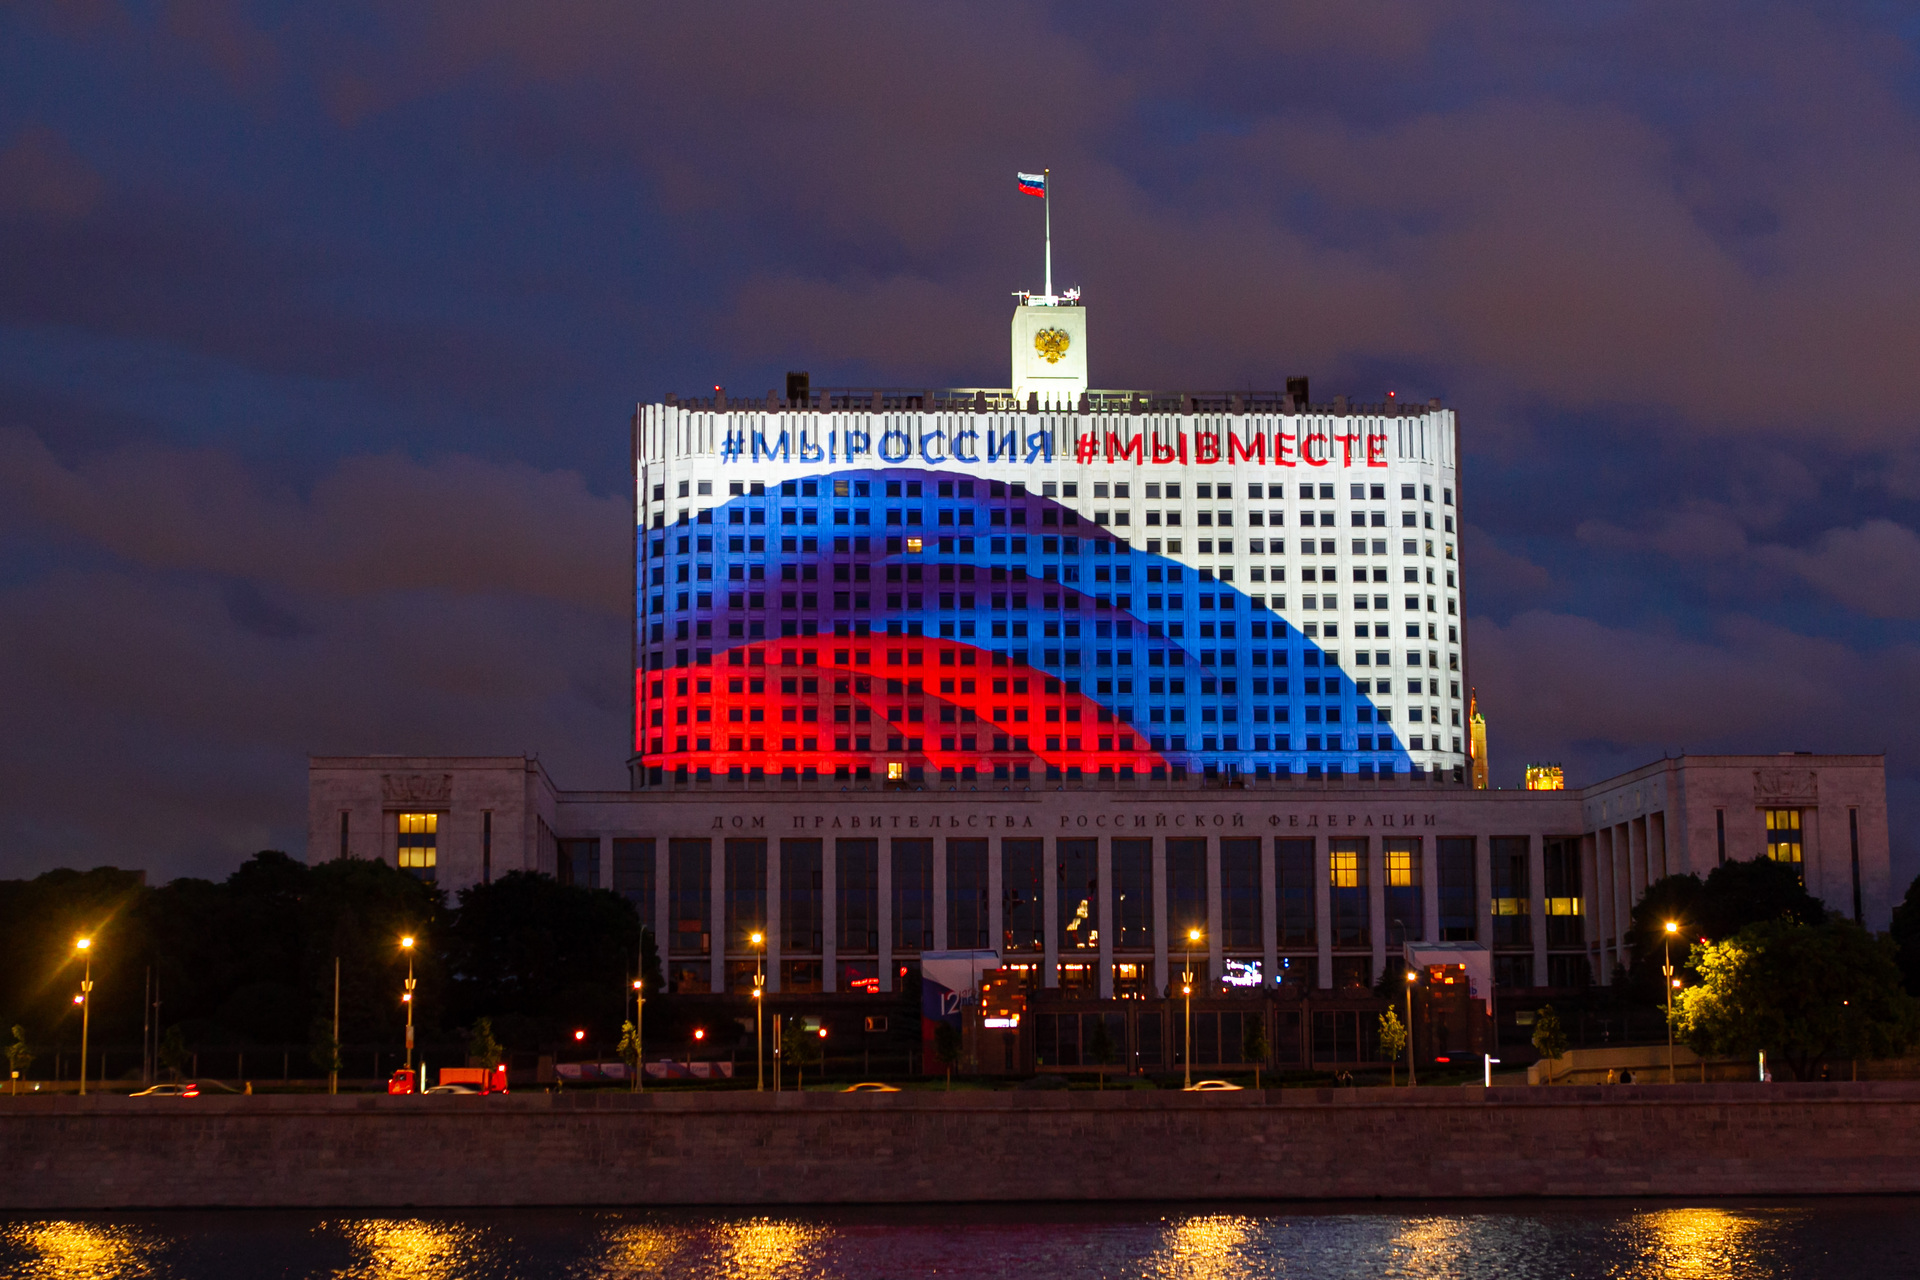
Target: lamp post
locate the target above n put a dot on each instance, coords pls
(1412, 977)
(406, 945)
(759, 941)
(1186, 989)
(85, 947)
(1666, 971)
(639, 1052)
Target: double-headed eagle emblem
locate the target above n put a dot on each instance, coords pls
(1051, 344)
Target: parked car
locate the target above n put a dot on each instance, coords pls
(871, 1086)
(1212, 1086)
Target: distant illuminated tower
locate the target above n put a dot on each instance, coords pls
(1477, 727)
(1546, 777)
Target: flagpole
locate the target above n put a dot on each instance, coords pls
(1046, 199)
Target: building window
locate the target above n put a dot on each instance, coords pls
(1240, 921)
(689, 900)
(1347, 877)
(746, 871)
(633, 877)
(912, 895)
(801, 904)
(1459, 896)
(967, 894)
(1293, 885)
(1406, 901)
(1512, 893)
(1021, 886)
(1564, 908)
(1076, 868)
(1133, 895)
(419, 843)
(1186, 891)
(1783, 836)
(856, 889)
(578, 862)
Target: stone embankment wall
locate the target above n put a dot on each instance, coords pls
(747, 1149)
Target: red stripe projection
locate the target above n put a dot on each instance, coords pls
(960, 696)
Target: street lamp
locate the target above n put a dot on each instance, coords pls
(1412, 977)
(639, 1053)
(699, 1034)
(85, 947)
(1186, 989)
(759, 941)
(406, 945)
(1666, 970)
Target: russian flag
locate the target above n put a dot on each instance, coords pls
(1033, 184)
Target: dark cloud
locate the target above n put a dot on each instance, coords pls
(321, 329)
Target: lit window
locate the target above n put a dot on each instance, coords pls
(1783, 835)
(1346, 869)
(419, 843)
(1399, 868)
(896, 770)
(913, 544)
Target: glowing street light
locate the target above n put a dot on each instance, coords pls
(1412, 977)
(406, 945)
(759, 941)
(1186, 989)
(85, 1000)
(1673, 927)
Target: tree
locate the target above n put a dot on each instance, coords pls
(803, 1048)
(1253, 1043)
(629, 1050)
(1804, 994)
(19, 1056)
(482, 1049)
(1393, 1040)
(174, 1054)
(1906, 936)
(946, 1047)
(323, 1050)
(1549, 1037)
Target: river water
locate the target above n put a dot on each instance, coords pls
(1828, 1239)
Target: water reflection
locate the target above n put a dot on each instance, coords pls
(61, 1250)
(1708, 1243)
(1204, 1248)
(410, 1249)
(1825, 1240)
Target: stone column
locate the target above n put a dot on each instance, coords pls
(1269, 917)
(775, 943)
(1323, 911)
(717, 952)
(1537, 904)
(606, 862)
(829, 914)
(1049, 910)
(1430, 886)
(939, 894)
(996, 888)
(1376, 859)
(1103, 913)
(1216, 950)
(886, 914)
(1483, 880)
(1162, 969)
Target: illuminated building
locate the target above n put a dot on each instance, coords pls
(1546, 777)
(1054, 675)
(1477, 749)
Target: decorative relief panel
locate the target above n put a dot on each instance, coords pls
(416, 788)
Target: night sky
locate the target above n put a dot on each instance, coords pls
(321, 327)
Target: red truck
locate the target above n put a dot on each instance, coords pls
(453, 1080)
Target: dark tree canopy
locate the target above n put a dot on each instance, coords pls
(250, 960)
(1733, 896)
(1906, 936)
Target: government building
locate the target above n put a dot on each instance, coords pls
(1085, 690)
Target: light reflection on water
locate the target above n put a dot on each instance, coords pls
(1819, 1240)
